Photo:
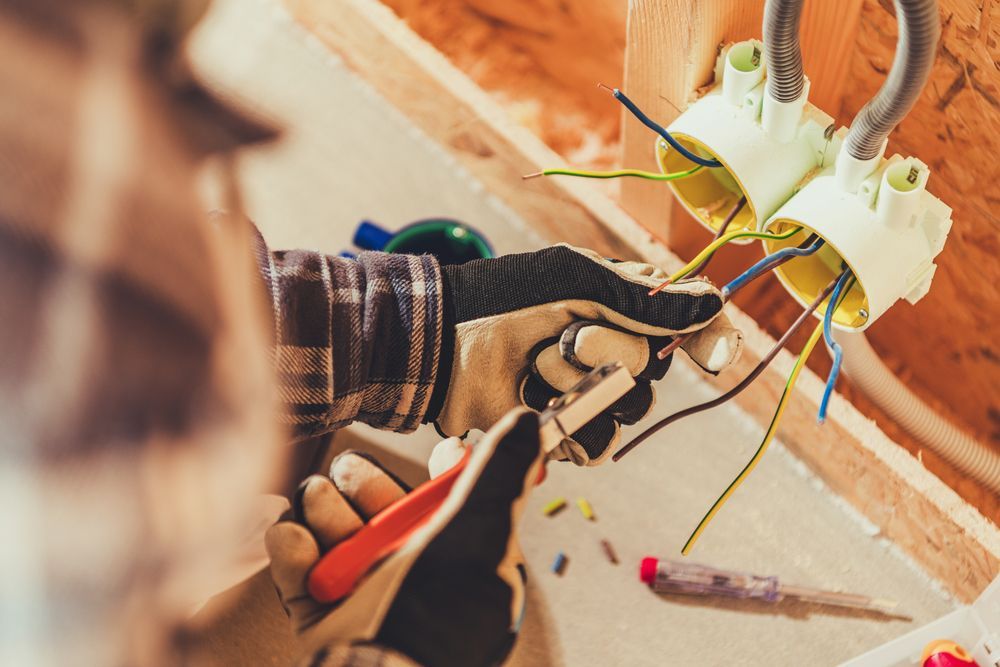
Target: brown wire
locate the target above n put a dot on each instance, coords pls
(722, 230)
(764, 363)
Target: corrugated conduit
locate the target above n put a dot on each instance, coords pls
(863, 365)
(782, 53)
(919, 31)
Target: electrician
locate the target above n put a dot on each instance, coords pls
(154, 361)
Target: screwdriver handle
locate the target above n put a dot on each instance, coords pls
(667, 576)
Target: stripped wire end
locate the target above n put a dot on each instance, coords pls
(659, 288)
(651, 124)
(671, 347)
(534, 175)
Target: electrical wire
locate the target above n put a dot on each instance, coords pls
(648, 122)
(722, 230)
(743, 384)
(769, 263)
(718, 243)
(844, 284)
(649, 175)
(768, 436)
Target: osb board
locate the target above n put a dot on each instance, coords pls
(955, 128)
(917, 512)
(528, 62)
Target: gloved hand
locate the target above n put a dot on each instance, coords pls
(452, 595)
(523, 329)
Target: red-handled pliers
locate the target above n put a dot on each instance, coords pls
(338, 571)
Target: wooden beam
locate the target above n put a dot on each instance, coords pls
(670, 52)
(914, 509)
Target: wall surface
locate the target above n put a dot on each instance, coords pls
(543, 59)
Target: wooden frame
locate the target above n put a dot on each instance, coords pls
(671, 48)
(914, 509)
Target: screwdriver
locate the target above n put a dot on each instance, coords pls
(667, 576)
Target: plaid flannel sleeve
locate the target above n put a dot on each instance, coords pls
(354, 339)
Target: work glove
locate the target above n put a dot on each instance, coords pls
(523, 329)
(453, 594)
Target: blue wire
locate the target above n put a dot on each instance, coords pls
(766, 264)
(645, 120)
(838, 352)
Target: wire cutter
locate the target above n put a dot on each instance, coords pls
(340, 569)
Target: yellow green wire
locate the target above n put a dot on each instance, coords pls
(768, 436)
(622, 172)
(723, 240)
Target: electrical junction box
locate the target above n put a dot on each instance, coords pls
(875, 216)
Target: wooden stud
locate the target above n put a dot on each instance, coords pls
(671, 48)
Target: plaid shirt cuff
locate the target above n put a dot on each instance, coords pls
(354, 339)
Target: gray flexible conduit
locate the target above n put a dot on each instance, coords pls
(783, 55)
(919, 30)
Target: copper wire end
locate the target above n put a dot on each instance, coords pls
(534, 175)
(607, 88)
(659, 288)
(671, 347)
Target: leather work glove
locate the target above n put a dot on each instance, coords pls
(453, 594)
(522, 329)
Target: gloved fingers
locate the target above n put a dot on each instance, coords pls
(467, 578)
(717, 346)
(592, 443)
(365, 483)
(293, 551)
(546, 362)
(587, 344)
(627, 266)
(321, 508)
(635, 404)
(514, 448)
(621, 292)
(445, 455)
(536, 393)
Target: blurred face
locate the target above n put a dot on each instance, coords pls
(136, 390)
